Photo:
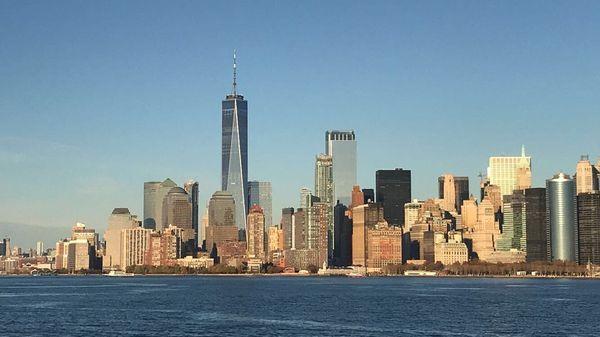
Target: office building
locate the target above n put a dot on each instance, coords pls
(305, 195)
(369, 195)
(510, 173)
(324, 179)
(192, 189)
(300, 229)
(255, 233)
(586, 176)
(342, 227)
(221, 219)
(318, 234)
(364, 217)
(234, 164)
(178, 212)
(411, 213)
(453, 191)
(536, 225)
(119, 219)
(393, 192)
(588, 217)
(561, 210)
(154, 193)
(469, 213)
(287, 218)
(162, 248)
(260, 193)
(134, 245)
(514, 233)
(384, 246)
(341, 146)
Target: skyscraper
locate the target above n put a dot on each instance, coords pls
(342, 227)
(177, 211)
(260, 193)
(586, 176)
(393, 191)
(453, 191)
(191, 187)
(588, 217)
(234, 165)
(287, 218)
(255, 235)
(510, 173)
(221, 219)
(536, 225)
(119, 219)
(561, 209)
(305, 194)
(515, 220)
(341, 146)
(154, 193)
(324, 179)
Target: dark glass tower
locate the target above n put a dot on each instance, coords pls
(536, 225)
(234, 165)
(342, 226)
(588, 217)
(393, 191)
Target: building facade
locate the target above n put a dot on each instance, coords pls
(154, 193)
(510, 173)
(393, 192)
(561, 210)
(341, 146)
(260, 193)
(588, 217)
(234, 150)
(255, 234)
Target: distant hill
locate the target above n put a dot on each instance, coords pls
(26, 236)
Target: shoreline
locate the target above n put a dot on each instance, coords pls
(313, 276)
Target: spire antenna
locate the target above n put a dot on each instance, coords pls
(234, 73)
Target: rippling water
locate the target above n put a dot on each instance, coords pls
(297, 306)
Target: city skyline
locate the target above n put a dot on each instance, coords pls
(85, 169)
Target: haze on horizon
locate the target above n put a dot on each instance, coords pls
(96, 98)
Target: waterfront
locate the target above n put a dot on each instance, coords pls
(287, 306)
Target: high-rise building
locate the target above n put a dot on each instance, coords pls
(561, 209)
(364, 217)
(586, 176)
(453, 191)
(300, 229)
(255, 234)
(177, 211)
(134, 245)
(411, 213)
(39, 248)
(342, 227)
(358, 197)
(221, 219)
(341, 146)
(369, 195)
(393, 192)
(154, 193)
(163, 248)
(260, 193)
(305, 195)
(119, 219)
(588, 217)
(514, 234)
(510, 173)
(234, 165)
(287, 218)
(3, 247)
(469, 213)
(319, 229)
(192, 190)
(536, 226)
(324, 179)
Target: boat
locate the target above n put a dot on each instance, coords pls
(119, 273)
(354, 274)
(419, 273)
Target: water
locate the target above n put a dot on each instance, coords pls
(297, 306)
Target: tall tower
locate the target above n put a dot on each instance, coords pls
(561, 210)
(510, 173)
(341, 146)
(393, 191)
(234, 165)
(586, 176)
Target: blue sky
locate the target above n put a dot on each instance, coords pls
(97, 98)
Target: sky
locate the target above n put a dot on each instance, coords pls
(96, 98)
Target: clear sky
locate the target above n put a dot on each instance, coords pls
(96, 98)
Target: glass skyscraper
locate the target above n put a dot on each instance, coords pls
(260, 193)
(561, 210)
(393, 192)
(341, 146)
(234, 165)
